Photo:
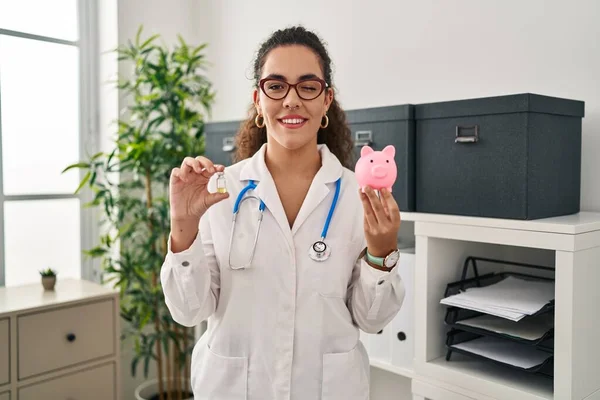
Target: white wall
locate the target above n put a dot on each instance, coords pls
(167, 18)
(403, 51)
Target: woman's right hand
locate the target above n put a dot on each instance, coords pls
(188, 189)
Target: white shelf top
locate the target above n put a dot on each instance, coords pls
(585, 221)
(407, 373)
(33, 296)
(491, 380)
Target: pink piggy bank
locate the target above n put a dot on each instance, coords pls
(376, 169)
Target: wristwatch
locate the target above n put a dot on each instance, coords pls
(387, 262)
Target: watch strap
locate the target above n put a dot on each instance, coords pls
(375, 260)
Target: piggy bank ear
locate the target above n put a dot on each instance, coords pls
(389, 151)
(365, 150)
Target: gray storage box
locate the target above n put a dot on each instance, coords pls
(219, 141)
(515, 156)
(381, 126)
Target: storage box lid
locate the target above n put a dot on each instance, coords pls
(526, 102)
(380, 114)
(222, 127)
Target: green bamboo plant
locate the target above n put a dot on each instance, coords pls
(169, 96)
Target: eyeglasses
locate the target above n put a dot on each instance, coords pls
(308, 89)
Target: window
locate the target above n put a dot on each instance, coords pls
(46, 107)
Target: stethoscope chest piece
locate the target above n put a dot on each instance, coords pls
(319, 251)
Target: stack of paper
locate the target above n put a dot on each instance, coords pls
(519, 355)
(533, 328)
(512, 298)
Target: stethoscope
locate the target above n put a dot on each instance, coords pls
(318, 251)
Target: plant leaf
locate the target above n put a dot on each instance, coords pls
(78, 165)
(83, 181)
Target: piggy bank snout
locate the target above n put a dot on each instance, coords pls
(380, 171)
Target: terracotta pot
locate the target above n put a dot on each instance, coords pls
(48, 282)
(149, 390)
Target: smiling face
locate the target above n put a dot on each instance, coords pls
(292, 121)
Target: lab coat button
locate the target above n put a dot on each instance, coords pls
(185, 263)
(380, 282)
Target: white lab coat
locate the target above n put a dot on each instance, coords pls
(288, 327)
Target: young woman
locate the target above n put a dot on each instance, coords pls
(307, 262)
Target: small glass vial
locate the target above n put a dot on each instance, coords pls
(221, 186)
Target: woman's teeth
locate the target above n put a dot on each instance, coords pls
(293, 121)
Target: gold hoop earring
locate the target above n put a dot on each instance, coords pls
(326, 121)
(262, 125)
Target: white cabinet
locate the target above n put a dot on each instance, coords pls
(426, 391)
(402, 326)
(392, 349)
(61, 344)
(97, 383)
(68, 338)
(570, 245)
(4, 351)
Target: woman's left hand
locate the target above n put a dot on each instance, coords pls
(381, 222)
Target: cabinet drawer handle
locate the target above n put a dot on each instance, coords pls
(71, 337)
(228, 144)
(363, 138)
(466, 139)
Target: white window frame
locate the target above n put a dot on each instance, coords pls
(88, 133)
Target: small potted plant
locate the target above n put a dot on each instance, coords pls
(48, 278)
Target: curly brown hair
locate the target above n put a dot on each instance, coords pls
(337, 134)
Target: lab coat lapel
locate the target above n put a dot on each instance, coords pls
(256, 169)
(267, 191)
(323, 183)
